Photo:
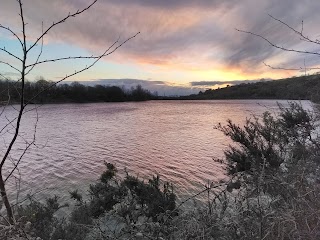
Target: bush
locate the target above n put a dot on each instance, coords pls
(274, 164)
(150, 195)
(128, 201)
(41, 216)
(273, 192)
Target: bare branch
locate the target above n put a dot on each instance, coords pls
(291, 69)
(14, 119)
(39, 55)
(13, 33)
(302, 36)
(27, 147)
(66, 58)
(13, 126)
(19, 135)
(300, 33)
(8, 64)
(22, 90)
(24, 42)
(11, 54)
(106, 53)
(209, 187)
(59, 22)
(277, 46)
(4, 78)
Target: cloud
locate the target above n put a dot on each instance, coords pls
(162, 88)
(220, 83)
(169, 4)
(181, 34)
(248, 51)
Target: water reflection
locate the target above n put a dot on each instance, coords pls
(174, 139)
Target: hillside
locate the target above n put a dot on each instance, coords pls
(299, 88)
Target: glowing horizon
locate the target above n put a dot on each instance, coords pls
(180, 41)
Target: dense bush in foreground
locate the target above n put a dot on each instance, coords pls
(116, 208)
(272, 193)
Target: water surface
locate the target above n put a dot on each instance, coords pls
(175, 139)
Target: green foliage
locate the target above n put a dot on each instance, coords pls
(156, 199)
(41, 216)
(69, 230)
(76, 196)
(265, 145)
(274, 164)
(102, 198)
(153, 199)
(45, 225)
(76, 227)
(273, 191)
(107, 175)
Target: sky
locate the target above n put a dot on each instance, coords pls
(183, 46)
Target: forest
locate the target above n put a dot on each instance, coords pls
(43, 91)
(296, 88)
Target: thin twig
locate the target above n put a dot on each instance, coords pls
(39, 55)
(8, 64)
(13, 33)
(11, 54)
(106, 53)
(59, 22)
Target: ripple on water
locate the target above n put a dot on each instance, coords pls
(175, 139)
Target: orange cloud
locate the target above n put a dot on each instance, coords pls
(184, 39)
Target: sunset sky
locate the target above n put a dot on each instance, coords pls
(183, 44)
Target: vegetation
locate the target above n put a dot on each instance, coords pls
(129, 206)
(272, 193)
(24, 63)
(297, 88)
(273, 165)
(74, 92)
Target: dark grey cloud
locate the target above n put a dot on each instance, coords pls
(173, 4)
(251, 50)
(220, 83)
(181, 32)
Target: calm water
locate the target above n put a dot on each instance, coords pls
(175, 139)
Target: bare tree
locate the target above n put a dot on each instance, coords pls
(301, 35)
(24, 68)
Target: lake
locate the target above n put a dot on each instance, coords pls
(175, 139)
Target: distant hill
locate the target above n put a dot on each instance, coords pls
(297, 88)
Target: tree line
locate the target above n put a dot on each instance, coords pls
(74, 92)
(297, 88)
